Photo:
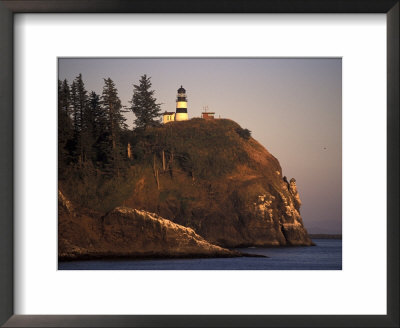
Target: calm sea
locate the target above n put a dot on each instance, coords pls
(326, 255)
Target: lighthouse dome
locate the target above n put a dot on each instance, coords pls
(181, 90)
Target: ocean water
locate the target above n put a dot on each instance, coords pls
(326, 255)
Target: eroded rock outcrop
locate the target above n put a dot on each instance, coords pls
(127, 232)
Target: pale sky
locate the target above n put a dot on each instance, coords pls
(292, 106)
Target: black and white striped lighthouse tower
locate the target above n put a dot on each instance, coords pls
(181, 105)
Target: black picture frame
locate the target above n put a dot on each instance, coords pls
(7, 10)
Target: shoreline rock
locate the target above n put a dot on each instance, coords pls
(128, 233)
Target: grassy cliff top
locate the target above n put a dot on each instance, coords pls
(204, 148)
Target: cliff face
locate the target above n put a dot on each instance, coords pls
(212, 177)
(127, 232)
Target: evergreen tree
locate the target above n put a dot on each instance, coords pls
(115, 121)
(95, 111)
(81, 122)
(90, 130)
(64, 97)
(85, 141)
(65, 132)
(75, 109)
(144, 105)
(99, 127)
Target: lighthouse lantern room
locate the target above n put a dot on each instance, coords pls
(181, 105)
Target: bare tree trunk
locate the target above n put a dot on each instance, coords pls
(163, 160)
(155, 171)
(154, 165)
(129, 151)
(169, 164)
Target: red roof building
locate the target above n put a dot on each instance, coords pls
(207, 115)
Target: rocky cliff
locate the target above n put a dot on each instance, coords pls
(204, 179)
(127, 232)
(213, 177)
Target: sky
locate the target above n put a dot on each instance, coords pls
(292, 106)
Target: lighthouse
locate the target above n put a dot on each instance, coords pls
(181, 105)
